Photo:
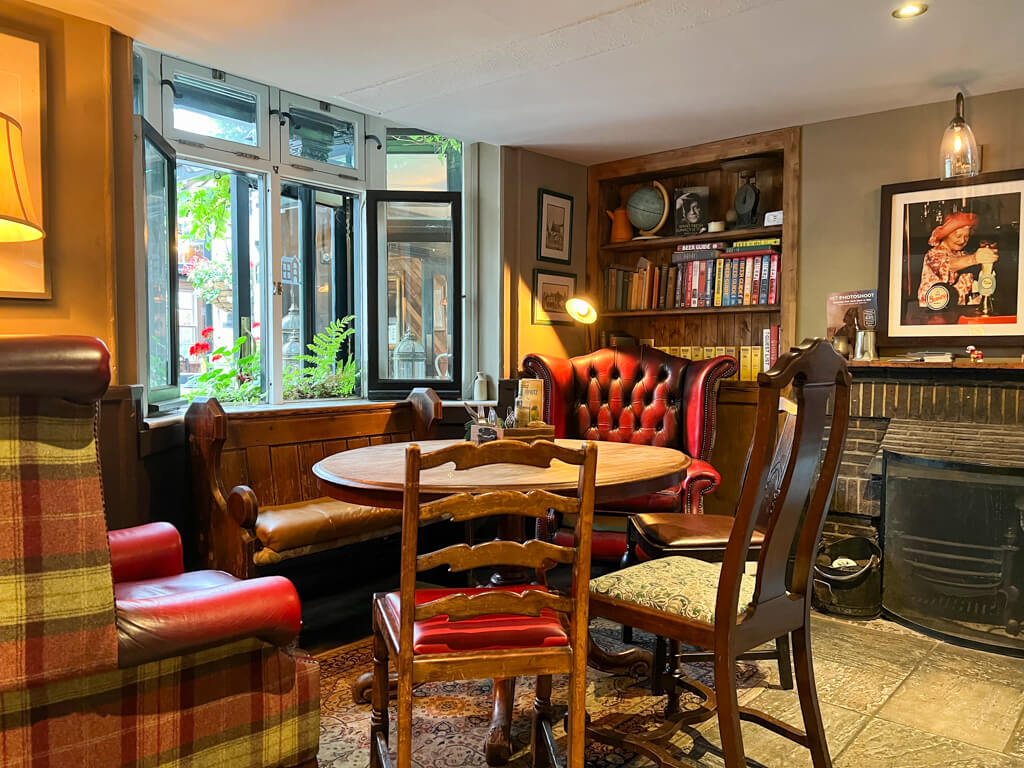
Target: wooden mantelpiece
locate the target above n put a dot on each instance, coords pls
(960, 364)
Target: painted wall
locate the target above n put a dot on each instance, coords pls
(79, 186)
(523, 173)
(845, 163)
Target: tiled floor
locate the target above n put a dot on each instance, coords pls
(892, 698)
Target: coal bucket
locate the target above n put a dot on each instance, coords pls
(848, 578)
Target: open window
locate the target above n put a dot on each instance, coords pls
(414, 292)
(320, 136)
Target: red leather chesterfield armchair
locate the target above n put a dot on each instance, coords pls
(113, 655)
(637, 395)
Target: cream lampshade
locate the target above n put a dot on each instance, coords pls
(19, 222)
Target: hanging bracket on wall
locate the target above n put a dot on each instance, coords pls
(375, 138)
(281, 115)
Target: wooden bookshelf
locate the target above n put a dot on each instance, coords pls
(692, 311)
(774, 158)
(654, 243)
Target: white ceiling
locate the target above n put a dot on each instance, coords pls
(593, 80)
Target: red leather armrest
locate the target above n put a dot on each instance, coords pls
(169, 625)
(557, 375)
(145, 552)
(700, 478)
(700, 389)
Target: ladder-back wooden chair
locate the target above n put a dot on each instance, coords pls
(657, 534)
(723, 609)
(499, 632)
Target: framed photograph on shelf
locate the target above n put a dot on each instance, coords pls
(554, 227)
(550, 290)
(691, 210)
(24, 273)
(949, 261)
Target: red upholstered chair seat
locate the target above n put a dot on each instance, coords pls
(492, 632)
(179, 584)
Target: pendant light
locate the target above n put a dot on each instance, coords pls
(958, 153)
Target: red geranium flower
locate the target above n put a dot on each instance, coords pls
(200, 347)
(215, 358)
(207, 333)
(255, 325)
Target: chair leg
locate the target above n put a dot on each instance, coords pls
(541, 713)
(658, 666)
(627, 634)
(404, 724)
(380, 694)
(729, 713)
(576, 720)
(785, 662)
(808, 693)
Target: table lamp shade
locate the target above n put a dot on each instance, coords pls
(19, 222)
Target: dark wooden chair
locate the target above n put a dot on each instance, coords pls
(723, 609)
(706, 537)
(500, 632)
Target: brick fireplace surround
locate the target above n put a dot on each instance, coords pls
(984, 394)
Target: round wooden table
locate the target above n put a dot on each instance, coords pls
(375, 476)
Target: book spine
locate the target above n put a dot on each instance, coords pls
(774, 344)
(773, 284)
(748, 280)
(680, 284)
(702, 283)
(765, 266)
(688, 268)
(719, 265)
(755, 283)
(763, 241)
(745, 367)
(755, 362)
(698, 247)
(691, 299)
(766, 348)
(734, 354)
(709, 352)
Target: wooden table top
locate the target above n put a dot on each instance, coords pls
(375, 474)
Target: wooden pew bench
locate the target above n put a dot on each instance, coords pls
(265, 454)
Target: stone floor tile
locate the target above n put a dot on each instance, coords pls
(968, 709)
(851, 643)
(882, 744)
(981, 665)
(849, 684)
(1016, 744)
(764, 748)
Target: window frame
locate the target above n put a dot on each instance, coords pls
(170, 66)
(144, 132)
(383, 388)
(286, 100)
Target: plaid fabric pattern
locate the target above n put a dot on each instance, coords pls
(56, 591)
(241, 705)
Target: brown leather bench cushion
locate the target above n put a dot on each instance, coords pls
(675, 530)
(309, 524)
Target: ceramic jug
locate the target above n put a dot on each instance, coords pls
(622, 230)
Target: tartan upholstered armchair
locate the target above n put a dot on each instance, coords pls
(109, 653)
(635, 395)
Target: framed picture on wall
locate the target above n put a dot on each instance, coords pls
(554, 227)
(949, 261)
(550, 290)
(24, 273)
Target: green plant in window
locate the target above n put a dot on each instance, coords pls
(325, 375)
(230, 374)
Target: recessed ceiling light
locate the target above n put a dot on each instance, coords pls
(909, 10)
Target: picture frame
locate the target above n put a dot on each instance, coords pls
(554, 227)
(550, 290)
(950, 270)
(24, 269)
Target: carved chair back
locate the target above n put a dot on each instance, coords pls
(788, 483)
(535, 554)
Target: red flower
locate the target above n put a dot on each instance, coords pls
(215, 358)
(207, 333)
(255, 325)
(200, 347)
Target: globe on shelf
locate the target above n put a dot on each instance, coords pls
(648, 209)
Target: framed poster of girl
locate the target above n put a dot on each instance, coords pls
(949, 261)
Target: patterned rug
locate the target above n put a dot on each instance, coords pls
(450, 720)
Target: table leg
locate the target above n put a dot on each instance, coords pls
(635, 662)
(498, 746)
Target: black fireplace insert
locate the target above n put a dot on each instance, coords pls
(952, 539)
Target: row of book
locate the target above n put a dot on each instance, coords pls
(700, 275)
(751, 359)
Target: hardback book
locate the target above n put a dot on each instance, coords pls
(766, 348)
(699, 247)
(763, 292)
(719, 266)
(709, 290)
(726, 282)
(773, 279)
(702, 282)
(688, 284)
(745, 367)
(696, 353)
(741, 266)
(755, 283)
(703, 253)
(754, 250)
(695, 282)
(680, 284)
(719, 351)
(709, 352)
(756, 362)
(757, 241)
(683, 352)
(748, 280)
(774, 344)
(733, 352)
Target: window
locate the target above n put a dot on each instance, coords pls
(220, 282)
(157, 257)
(317, 287)
(214, 109)
(318, 136)
(414, 272)
(418, 160)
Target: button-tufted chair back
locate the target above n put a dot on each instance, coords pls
(632, 394)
